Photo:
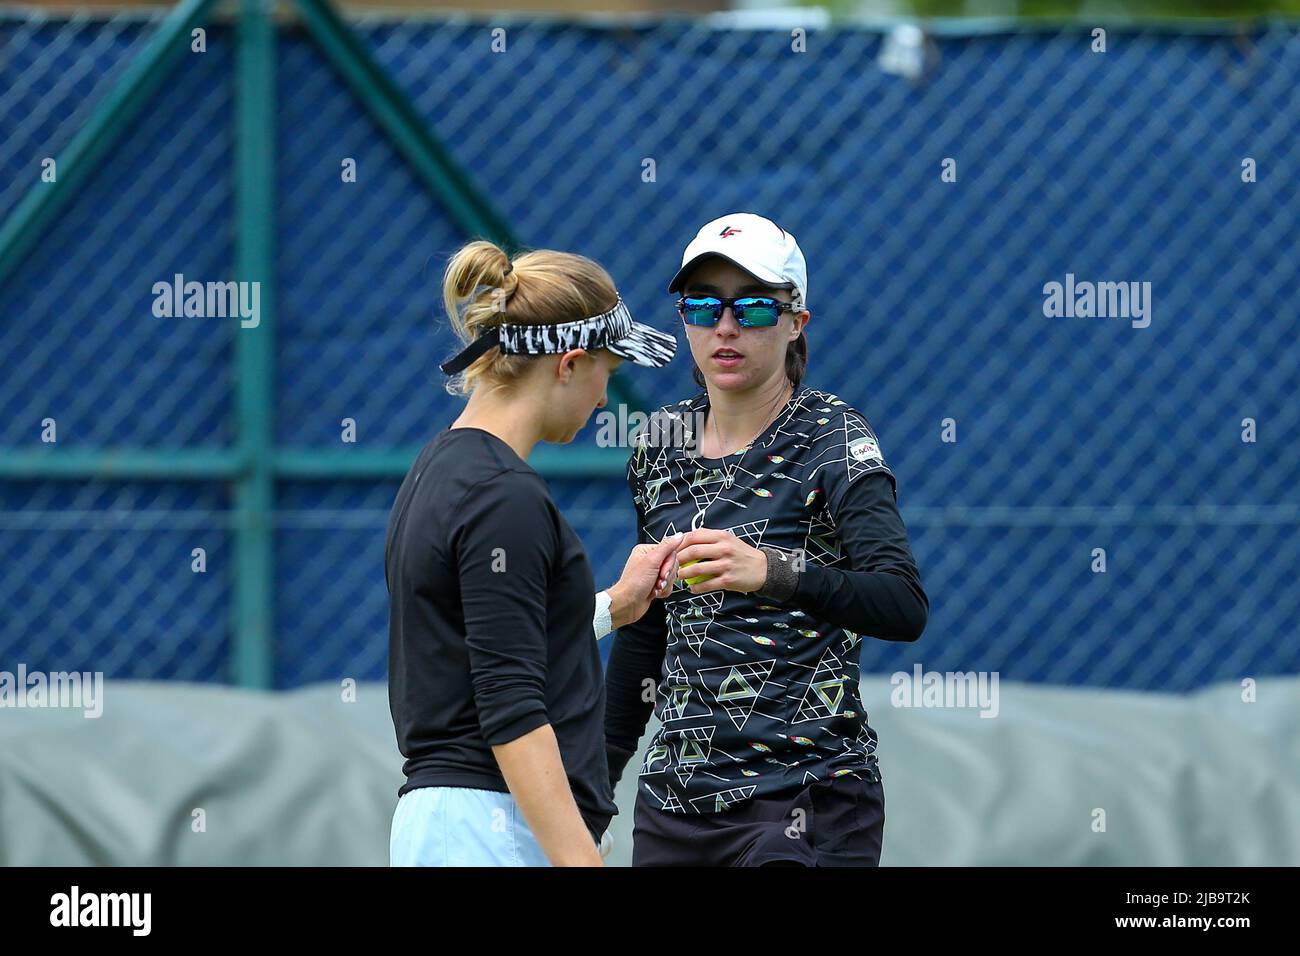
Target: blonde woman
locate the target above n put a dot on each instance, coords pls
(495, 683)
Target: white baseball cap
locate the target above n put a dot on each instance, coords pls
(753, 243)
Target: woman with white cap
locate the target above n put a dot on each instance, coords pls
(796, 551)
(495, 682)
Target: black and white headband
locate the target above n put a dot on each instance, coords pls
(613, 330)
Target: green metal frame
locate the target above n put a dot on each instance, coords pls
(122, 104)
(255, 347)
(255, 464)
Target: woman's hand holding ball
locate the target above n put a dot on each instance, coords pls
(722, 562)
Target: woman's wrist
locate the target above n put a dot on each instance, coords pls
(603, 622)
(620, 610)
(782, 578)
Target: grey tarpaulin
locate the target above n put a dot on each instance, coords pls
(305, 778)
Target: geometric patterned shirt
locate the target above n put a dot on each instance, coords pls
(754, 697)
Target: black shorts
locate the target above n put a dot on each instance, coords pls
(836, 822)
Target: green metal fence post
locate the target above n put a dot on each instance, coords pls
(254, 345)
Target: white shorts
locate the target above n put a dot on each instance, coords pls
(459, 826)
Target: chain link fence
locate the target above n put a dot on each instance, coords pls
(933, 208)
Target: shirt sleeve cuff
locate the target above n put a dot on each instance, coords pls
(516, 727)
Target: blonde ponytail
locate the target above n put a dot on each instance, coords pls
(483, 287)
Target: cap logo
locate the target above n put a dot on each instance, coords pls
(728, 232)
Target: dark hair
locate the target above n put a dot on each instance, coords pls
(796, 363)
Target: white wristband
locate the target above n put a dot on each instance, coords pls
(602, 623)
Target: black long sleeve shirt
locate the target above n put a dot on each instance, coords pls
(758, 697)
(491, 598)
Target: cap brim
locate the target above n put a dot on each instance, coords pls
(775, 281)
(645, 346)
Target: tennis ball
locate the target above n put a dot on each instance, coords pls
(702, 577)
